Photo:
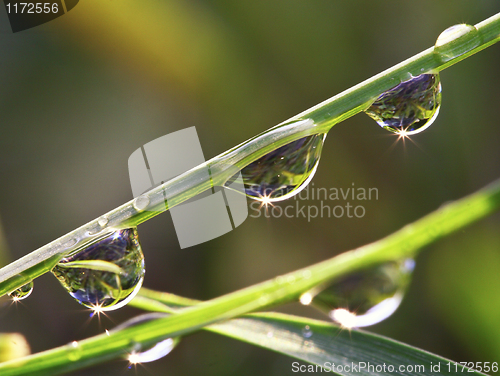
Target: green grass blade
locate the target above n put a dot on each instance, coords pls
(403, 243)
(100, 265)
(317, 342)
(317, 119)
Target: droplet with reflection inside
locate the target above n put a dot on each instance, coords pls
(285, 171)
(410, 107)
(307, 332)
(366, 297)
(22, 292)
(106, 274)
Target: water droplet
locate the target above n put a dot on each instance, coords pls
(455, 41)
(285, 171)
(146, 354)
(410, 107)
(70, 243)
(105, 275)
(270, 334)
(366, 297)
(306, 298)
(74, 351)
(103, 221)
(141, 203)
(158, 351)
(99, 226)
(307, 332)
(263, 299)
(22, 292)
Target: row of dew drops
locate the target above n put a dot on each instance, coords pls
(107, 274)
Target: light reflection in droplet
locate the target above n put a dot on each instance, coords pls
(22, 292)
(283, 172)
(106, 274)
(374, 315)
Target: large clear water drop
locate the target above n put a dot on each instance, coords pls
(456, 41)
(285, 171)
(410, 107)
(364, 298)
(22, 292)
(146, 354)
(105, 275)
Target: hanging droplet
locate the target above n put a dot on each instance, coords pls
(364, 298)
(158, 351)
(105, 275)
(22, 292)
(455, 41)
(410, 107)
(151, 353)
(285, 171)
(307, 332)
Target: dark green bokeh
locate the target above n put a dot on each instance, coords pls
(81, 93)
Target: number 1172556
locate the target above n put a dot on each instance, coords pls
(471, 367)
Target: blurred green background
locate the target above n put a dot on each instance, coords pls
(81, 93)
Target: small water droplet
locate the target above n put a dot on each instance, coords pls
(103, 221)
(70, 243)
(455, 41)
(366, 297)
(22, 292)
(105, 275)
(141, 203)
(410, 107)
(280, 280)
(263, 300)
(307, 332)
(270, 334)
(285, 171)
(141, 354)
(99, 226)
